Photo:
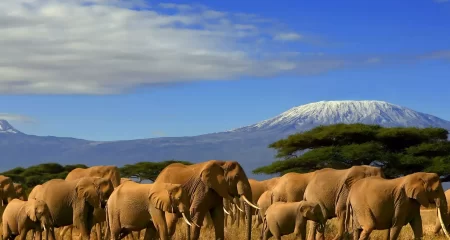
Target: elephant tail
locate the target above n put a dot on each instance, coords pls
(264, 226)
(107, 218)
(348, 214)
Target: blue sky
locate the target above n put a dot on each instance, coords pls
(108, 70)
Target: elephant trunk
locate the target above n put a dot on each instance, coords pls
(442, 211)
(245, 192)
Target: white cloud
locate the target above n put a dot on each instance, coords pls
(104, 47)
(16, 118)
(287, 37)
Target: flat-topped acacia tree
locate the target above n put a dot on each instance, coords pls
(398, 150)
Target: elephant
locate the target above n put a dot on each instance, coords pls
(21, 216)
(35, 191)
(7, 191)
(334, 185)
(20, 192)
(207, 184)
(228, 208)
(135, 206)
(122, 180)
(289, 188)
(437, 226)
(109, 172)
(74, 201)
(258, 188)
(99, 216)
(376, 203)
(264, 203)
(283, 218)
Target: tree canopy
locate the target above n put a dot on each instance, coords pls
(146, 170)
(398, 150)
(39, 174)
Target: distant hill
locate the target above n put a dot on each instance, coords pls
(248, 144)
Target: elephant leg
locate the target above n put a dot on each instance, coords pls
(150, 233)
(341, 227)
(366, 233)
(171, 221)
(98, 231)
(312, 231)
(416, 225)
(356, 233)
(217, 219)
(159, 220)
(394, 232)
(194, 232)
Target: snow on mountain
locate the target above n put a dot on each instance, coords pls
(5, 127)
(331, 112)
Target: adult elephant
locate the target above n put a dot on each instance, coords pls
(330, 187)
(73, 202)
(7, 191)
(207, 183)
(109, 172)
(258, 188)
(135, 206)
(437, 226)
(288, 188)
(20, 192)
(379, 204)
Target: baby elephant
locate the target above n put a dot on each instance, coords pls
(21, 216)
(283, 218)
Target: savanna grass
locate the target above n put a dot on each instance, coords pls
(234, 232)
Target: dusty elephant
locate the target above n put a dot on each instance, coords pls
(376, 203)
(20, 192)
(7, 191)
(284, 218)
(207, 183)
(21, 216)
(135, 206)
(109, 172)
(437, 226)
(334, 185)
(73, 202)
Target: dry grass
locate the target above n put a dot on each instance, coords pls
(233, 232)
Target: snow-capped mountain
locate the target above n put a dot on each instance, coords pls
(332, 112)
(5, 127)
(248, 144)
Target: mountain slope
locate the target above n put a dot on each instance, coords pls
(248, 144)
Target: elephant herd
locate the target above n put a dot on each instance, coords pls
(213, 192)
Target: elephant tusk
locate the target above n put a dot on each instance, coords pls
(196, 225)
(249, 203)
(444, 228)
(239, 208)
(186, 220)
(226, 211)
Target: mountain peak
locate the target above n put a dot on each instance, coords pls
(310, 115)
(5, 127)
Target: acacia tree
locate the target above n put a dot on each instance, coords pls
(398, 150)
(146, 170)
(39, 174)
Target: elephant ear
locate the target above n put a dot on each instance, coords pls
(30, 210)
(214, 177)
(415, 188)
(88, 191)
(162, 196)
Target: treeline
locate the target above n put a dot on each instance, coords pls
(398, 150)
(39, 174)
